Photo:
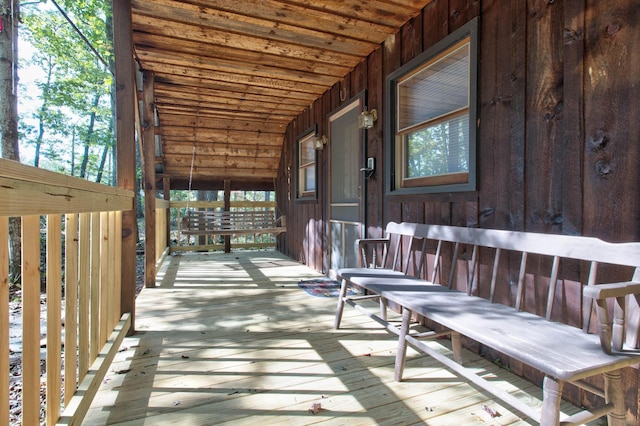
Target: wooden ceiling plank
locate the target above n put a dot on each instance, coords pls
(169, 121)
(146, 41)
(251, 80)
(219, 136)
(229, 99)
(233, 87)
(394, 13)
(221, 37)
(206, 149)
(286, 13)
(155, 59)
(162, 108)
(238, 105)
(222, 173)
(226, 103)
(208, 17)
(214, 162)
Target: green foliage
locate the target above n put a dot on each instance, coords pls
(68, 114)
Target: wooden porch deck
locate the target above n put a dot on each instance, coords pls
(231, 339)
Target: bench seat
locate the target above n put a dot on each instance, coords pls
(551, 347)
(201, 223)
(562, 352)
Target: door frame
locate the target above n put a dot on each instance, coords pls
(361, 98)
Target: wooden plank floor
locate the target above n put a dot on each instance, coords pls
(231, 339)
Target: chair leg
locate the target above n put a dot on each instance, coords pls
(340, 307)
(401, 353)
(552, 397)
(614, 394)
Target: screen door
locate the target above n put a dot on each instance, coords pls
(345, 224)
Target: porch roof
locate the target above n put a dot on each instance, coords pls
(230, 75)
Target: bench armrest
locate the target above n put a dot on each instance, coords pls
(605, 291)
(612, 332)
(362, 245)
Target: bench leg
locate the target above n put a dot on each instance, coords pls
(383, 308)
(340, 308)
(456, 345)
(552, 396)
(401, 353)
(614, 394)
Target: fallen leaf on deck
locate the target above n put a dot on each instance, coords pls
(315, 408)
(491, 411)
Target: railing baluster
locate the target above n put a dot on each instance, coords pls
(104, 276)
(95, 285)
(4, 318)
(84, 282)
(54, 308)
(30, 320)
(71, 307)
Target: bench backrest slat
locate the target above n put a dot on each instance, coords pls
(220, 221)
(554, 247)
(553, 282)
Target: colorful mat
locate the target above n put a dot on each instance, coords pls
(322, 287)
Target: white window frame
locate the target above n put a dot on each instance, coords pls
(306, 167)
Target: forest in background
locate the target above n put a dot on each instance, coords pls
(66, 94)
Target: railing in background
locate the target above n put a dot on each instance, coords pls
(82, 239)
(181, 242)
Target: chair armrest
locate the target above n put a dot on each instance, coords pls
(365, 241)
(361, 247)
(611, 328)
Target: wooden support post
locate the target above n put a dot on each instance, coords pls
(166, 190)
(126, 148)
(149, 173)
(227, 207)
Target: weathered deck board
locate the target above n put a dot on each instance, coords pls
(231, 339)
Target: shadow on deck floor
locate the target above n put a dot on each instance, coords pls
(231, 339)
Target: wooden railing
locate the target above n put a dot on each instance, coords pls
(183, 242)
(78, 226)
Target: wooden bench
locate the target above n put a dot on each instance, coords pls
(481, 261)
(233, 222)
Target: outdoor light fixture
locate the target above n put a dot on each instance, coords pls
(366, 119)
(320, 142)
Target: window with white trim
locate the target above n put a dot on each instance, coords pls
(306, 166)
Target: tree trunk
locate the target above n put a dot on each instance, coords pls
(43, 111)
(9, 18)
(87, 141)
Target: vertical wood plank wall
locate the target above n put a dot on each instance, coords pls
(558, 144)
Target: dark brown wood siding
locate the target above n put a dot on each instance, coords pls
(558, 148)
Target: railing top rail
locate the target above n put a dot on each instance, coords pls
(26, 190)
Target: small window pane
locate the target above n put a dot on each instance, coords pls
(436, 90)
(307, 152)
(310, 179)
(306, 166)
(438, 149)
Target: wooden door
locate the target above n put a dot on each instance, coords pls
(345, 185)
